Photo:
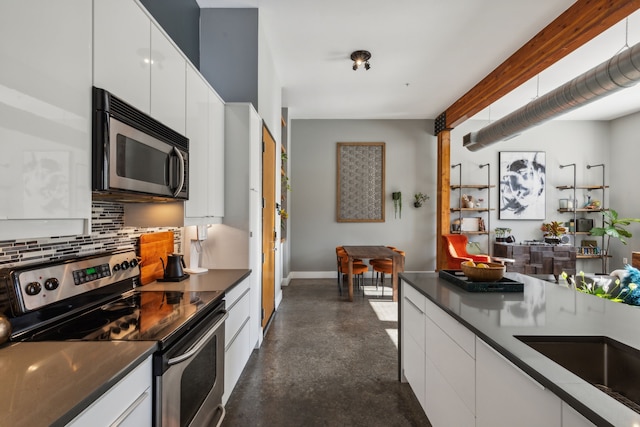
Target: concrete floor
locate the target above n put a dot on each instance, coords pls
(326, 362)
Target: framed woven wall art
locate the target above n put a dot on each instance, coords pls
(360, 181)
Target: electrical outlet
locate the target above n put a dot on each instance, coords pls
(625, 261)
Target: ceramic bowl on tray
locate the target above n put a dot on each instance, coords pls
(491, 273)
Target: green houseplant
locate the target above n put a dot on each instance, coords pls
(613, 226)
(419, 199)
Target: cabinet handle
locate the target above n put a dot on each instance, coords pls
(224, 413)
(509, 362)
(415, 306)
(130, 409)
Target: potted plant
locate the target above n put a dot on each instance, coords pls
(612, 227)
(502, 233)
(419, 199)
(552, 231)
(397, 202)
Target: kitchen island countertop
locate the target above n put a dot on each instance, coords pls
(544, 308)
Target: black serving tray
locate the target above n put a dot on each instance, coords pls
(458, 278)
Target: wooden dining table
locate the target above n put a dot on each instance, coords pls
(374, 252)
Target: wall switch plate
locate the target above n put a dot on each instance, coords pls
(625, 261)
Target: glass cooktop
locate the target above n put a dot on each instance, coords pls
(136, 316)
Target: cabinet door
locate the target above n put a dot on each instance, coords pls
(413, 342)
(122, 57)
(216, 156)
(128, 403)
(507, 396)
(167, 82)
(45, 118)
(198, 133)
(572, 418)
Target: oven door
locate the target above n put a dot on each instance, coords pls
(190, 377)
(139, 162)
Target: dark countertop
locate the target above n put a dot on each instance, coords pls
(211, 280)
(543, 308)
(46, 383)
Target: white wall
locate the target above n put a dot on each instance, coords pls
(410, 168)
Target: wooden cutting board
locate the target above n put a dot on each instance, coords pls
(154, 246)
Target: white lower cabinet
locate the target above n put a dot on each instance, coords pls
(462, 381)
(572, 418)
(506, 396)
(237, 331)
(126, 404)
(413, 338)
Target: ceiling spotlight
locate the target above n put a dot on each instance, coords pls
(360, 57)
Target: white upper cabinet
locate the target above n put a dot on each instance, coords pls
(45, 118)
(205, 130)
(198, 134)
(216, 155)
(122, 51)
(137, 62)
(167, 82)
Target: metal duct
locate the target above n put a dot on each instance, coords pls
(620, 72)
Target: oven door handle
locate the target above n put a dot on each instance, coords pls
(201, 342)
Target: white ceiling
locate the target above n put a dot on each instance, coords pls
(425, 55)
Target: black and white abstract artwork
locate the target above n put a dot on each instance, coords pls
(522, 185)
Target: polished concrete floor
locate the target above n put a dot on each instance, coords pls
(326, 362)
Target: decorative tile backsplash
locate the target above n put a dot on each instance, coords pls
(108, 233)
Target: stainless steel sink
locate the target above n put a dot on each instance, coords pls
(607, 364)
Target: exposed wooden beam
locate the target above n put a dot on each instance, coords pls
(577, 25)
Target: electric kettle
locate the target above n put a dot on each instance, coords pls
(174, 270)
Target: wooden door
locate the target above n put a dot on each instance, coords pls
(268, 225)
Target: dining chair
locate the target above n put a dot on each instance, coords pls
(358, 270)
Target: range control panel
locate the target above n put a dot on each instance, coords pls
(39, 285)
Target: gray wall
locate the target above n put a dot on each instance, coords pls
(181, 20)
(625, 154)
(229, 53)
(410, 159)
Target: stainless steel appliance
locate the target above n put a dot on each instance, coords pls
(97, 298)
(135, 157)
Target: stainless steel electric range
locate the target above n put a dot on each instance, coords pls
(98, 297)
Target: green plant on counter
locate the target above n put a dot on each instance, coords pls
(616, 293)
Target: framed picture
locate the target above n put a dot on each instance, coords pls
(522, 185)
(360, 181)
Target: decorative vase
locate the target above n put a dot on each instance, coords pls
(417, 204)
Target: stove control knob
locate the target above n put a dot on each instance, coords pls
(51, 284)
(125, 264)
(115, 330)
(33, 288)
(133, 263)
(116, 267)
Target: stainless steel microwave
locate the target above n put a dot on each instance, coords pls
(135, 157)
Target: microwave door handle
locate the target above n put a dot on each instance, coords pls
(180, 172)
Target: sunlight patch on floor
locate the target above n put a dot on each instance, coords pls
(387, 311)
(393, 334)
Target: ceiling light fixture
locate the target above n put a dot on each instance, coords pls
(360, 57)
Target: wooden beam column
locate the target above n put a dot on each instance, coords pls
(444, 193)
